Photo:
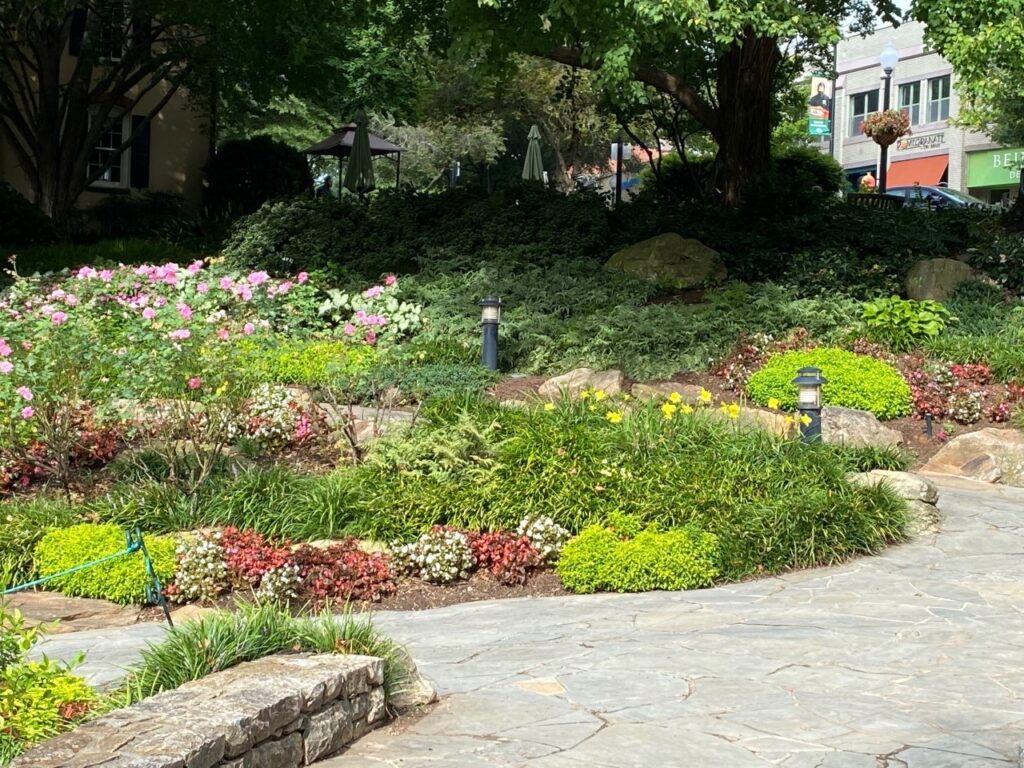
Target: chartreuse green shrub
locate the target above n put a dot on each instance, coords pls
(122, 580)
(854, 381)
(38, 699)
(600, 560)
(308, 362)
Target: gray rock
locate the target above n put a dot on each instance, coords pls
(672, 260)
(286, 753)
(420, 693)
(908, 485)
(574, 382)
(924, 517)
(856, 429)
(936, 279)
(990, 455)
(327, 732)
(662, 390)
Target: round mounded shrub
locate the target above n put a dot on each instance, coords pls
(854, 381)
(122, 580)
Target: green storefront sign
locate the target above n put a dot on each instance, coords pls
(995, 168)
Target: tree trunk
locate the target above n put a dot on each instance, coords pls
(742, 129)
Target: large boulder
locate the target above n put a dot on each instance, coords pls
(574, 382)
(920, 494)
(990, 455)
(663, 390)
(936, 279)
(761, 419)
(856, 429)
(672, 260)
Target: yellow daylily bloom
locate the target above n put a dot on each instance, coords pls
(549, 407)
(687, 409)
(805, 419)
(584, 394)
(733, 411)
(774, 404)
(591, 408)
(614, 416)
(705, 396)
(626, 398)
(675, 397)
(599, 394)
(668, 410)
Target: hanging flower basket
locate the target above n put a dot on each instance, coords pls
(886, 127)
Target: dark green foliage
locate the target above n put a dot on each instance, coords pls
(246, 173)
(1002, 259)
(599, 560)
(22, 223)
(225, 639)
(417, 381)
(152, 215)
(854, 381)
(52, 258)
(22, 524)
(122, 580)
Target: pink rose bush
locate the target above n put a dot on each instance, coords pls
(376, 315)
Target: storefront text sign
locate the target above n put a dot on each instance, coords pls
(928, 141)
(995, 168)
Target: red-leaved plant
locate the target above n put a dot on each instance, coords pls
(249, 556)
(508, 556)
(343, 571)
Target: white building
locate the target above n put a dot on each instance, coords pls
(937, 152)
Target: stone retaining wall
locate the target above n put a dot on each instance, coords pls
(277, 712)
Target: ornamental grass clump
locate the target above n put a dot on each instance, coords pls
(854, 381)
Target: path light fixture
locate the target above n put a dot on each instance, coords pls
(809, 382)
(490, 319)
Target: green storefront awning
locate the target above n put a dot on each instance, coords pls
(995, 168)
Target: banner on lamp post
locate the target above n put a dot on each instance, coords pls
(819, 106)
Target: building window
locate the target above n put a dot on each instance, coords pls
(106, 154)
(938, 99)
(910, 102)
(861, 105)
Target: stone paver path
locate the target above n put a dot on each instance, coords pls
(914, 659)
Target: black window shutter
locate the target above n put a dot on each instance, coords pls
(78, 19)
(140, 153)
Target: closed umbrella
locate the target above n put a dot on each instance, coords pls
(359, 172)
(533, 168)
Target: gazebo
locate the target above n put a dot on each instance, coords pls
(339, 145)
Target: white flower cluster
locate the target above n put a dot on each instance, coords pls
(439, 557)
(547, 536)
(280, 584)
(271, 416)
(202, 573)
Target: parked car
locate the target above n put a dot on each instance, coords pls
(936, 198)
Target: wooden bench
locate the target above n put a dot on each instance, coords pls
(876, 201)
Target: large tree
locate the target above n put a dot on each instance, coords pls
(721, 61)
(69, 70)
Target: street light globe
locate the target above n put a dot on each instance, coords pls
(889, 58)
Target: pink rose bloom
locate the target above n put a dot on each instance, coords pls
(149, 313)
(223, 334)
(25, 394)
(258, 278)
(184, 310)
(225, 284)
(106, 275)
(202, 288)
(271, 291)
(27, 346)
(58, 294)
(86, 273)
(46, 309)
(245, 293)
(159, 301)
(349, 329)
(71, 300)
(171, 278)
(5, 349)
(248, 329)
(371, 337)
(28, 412)
(58, 318)
(180, 335)
(390, 280)
(302, 277)
(361, 316)
(195, 382)
(195, 266)
(284, 287)
(372, 293)
(6, 367)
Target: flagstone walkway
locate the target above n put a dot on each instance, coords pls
(914, 659)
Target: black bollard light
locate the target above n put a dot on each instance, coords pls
(808, 383)
(490, 320)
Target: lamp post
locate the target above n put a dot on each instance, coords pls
(808, 383)
(889, 58)
(490, 319)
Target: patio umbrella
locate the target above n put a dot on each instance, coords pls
(359, 171)
(533, 168)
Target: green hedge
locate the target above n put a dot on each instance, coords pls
(599, 560)
(307, 363)
(122, 580)
(854, 381)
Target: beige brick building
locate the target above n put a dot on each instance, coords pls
(938, 151)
